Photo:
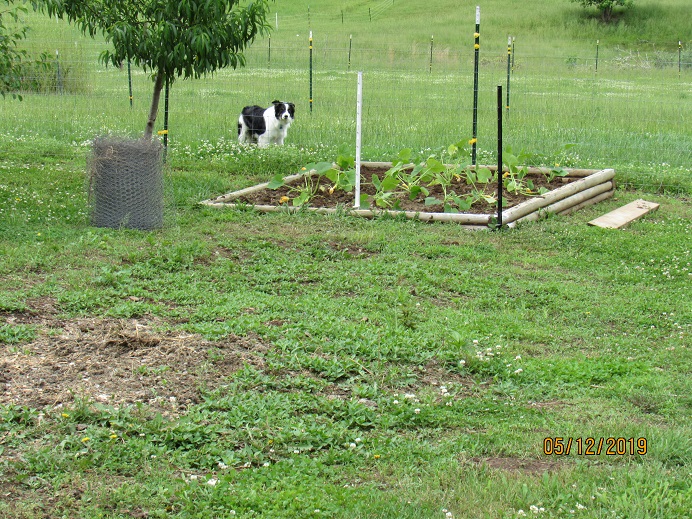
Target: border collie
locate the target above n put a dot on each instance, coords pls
(265, 126)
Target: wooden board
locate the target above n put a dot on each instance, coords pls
(623, 215)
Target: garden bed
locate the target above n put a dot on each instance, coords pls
(548, 193)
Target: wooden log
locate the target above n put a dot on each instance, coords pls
(565, 205)
(518, 211)
(248, 190)
(572, 172)
(591, 201)
(462, 218)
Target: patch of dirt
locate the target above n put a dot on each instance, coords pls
(323, 198)
(119, 362)
(526, 466)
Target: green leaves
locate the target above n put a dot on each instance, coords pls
(276, 182)
(11, 55)
(188, 38)
(185, 39)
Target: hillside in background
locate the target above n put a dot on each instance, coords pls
(545, 26)
(541, 27)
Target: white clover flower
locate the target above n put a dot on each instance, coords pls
(212, 482)
(516, 372)
(521, 513)
(417, 411)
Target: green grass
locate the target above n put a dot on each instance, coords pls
(629, 115)
(382, 392)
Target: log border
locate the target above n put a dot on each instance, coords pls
(593, 186)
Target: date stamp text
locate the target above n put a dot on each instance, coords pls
(588, 446)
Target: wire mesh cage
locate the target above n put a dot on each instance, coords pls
(126, 183)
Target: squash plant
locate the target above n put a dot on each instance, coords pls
(405, 178)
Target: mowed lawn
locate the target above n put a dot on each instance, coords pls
(238, 364)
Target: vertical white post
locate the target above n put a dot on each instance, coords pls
(359, 113)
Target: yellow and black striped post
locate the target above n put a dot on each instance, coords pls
(431, 54)
(477, 47)
(597, 42)
(509, 69)
(350, 45)
(129, 80)
(164, 132)
(679, 57)
(310, 43)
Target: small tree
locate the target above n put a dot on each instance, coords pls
(10, 54)
(605, 7)
(171, 39)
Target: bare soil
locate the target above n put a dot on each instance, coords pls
(324, 198)
(117, 362)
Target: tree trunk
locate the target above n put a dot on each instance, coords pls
(158, 86)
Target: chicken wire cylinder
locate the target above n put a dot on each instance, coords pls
(126, 184)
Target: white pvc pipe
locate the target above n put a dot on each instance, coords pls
(359, 112)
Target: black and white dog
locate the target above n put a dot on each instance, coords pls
(265, 126)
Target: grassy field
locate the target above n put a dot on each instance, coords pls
(234, 364)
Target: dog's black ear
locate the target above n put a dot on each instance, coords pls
(275, 102)
(291, 109)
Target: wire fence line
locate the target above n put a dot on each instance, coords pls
(357, 14)
(628, 110)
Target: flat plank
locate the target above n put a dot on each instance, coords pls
(624, 215)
